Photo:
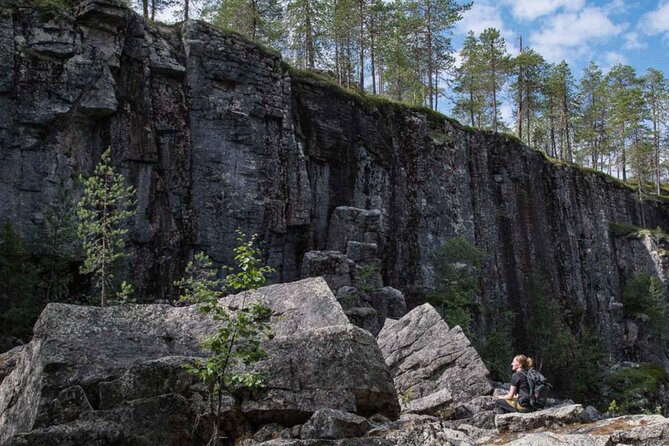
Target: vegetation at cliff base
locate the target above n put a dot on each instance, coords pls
(636, 388)
(457, 266)
(644, 299)
(105, 206)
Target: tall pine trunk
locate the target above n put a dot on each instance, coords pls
(362, 45)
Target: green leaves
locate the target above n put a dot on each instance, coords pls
(107, 202)
(643, 298)
(236, 343)
(457, 265)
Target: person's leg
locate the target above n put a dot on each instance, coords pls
(506, 406)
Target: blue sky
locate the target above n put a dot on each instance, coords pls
(578, 31)
(606, 31)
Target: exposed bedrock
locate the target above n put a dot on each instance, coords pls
(218, 134)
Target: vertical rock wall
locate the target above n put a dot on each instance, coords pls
(217, 134)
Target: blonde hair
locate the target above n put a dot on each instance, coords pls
(525, 362)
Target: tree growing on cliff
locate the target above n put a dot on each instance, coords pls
(236, 341)
(457, 265)
(106, 204)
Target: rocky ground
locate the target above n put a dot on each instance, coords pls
(115, 376)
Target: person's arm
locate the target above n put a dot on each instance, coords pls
(508, 396)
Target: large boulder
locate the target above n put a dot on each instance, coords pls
(334, 424)
(430, 362)
(553, 439)
(637, 430)
(567, 429)
(550, 418)
(91, 370)
(338, 367)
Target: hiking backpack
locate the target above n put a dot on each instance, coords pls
(539, 388)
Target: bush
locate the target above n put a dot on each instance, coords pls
(643, 294)
(237, 340)
(20, 301)
(636, 389)
(496, 346)
(457, 267)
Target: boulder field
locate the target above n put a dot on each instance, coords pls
(115, 376)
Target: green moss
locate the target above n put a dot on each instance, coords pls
(367, 101)
(511, 137)
(440, 138)
(624, 229)
(243, 37)
(50, 8)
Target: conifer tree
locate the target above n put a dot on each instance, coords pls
(103, 209)
(626, 108)
(258, 19)
(468, 86)
(439, 18)
(590, 119)
(529, 67)
(560, 100)
(57, 244)
(496, 62)
(656, 95)
(305, 23)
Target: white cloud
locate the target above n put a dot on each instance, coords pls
(533, 9)
(613, 57)
(487, 15)
(480, 17)
(568, 36)
(632, 42)
(656, 22)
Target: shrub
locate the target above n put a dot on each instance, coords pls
(237, 339)
(457, 267)
(636, 389)
(643, 294)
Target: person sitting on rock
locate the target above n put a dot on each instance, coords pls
(517, 400)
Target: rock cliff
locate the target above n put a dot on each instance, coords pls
(217, 133)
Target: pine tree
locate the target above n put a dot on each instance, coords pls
(439, 18)
(470, 102)
(103, 209)
(529, 68)
(560, 101)
(590, 128)
(656, 95)
(260, 20)
(305, 23)
(623, 98)
(56, 246)
(496, 62)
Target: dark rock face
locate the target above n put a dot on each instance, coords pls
(216, 134)
(116, 374)
(353, 269)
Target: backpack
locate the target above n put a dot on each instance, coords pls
(539, 388)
